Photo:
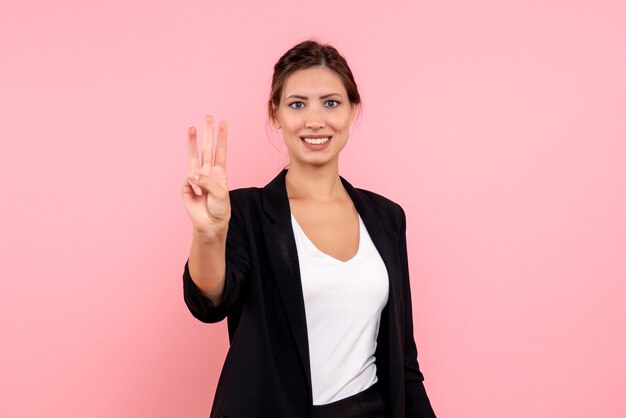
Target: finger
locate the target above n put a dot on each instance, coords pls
(189, 188)
(192, 146)
(207, 146)
(196, 189)
(220, 150)
(207, 185)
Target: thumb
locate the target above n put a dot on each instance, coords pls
(207, 185)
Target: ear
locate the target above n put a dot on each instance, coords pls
(353, 112)
(275, 121)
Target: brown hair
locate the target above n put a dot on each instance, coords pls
(310, 53)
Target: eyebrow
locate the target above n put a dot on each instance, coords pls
(297, 96)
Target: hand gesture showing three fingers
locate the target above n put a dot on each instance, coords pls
(205, 192)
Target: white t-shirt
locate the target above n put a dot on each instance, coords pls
(343, 302)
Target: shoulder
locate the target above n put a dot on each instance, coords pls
(382, 206)
(245, 203)
(378, 200)
(253, 196)
(373, 200)
(245, 194)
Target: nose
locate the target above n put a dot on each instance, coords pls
(314, 120)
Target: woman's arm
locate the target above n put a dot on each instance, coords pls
(236, 266)
(206, 198)
(417, 402)
(207, 265)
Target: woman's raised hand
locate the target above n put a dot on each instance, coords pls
(205, 192)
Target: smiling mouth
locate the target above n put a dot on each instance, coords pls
(316, 141)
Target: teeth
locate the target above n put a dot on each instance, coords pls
(316, 141)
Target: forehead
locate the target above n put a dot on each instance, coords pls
(314, 81)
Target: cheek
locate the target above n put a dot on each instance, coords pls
(293, 123)
(340, 122)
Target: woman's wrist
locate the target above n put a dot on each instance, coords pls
(210, 237)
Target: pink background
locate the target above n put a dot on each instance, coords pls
(499, 126)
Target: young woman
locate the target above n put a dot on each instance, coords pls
(311, 272)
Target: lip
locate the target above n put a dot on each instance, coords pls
(315, 136)
(316, 147)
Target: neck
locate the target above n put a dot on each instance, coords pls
(308, 182)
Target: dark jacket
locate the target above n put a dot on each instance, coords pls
(267, 373)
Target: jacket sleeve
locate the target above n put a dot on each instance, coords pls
(237, 267)
(417, 402)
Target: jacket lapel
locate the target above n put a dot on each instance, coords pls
(281, 244)
(279, 239)
(384, 237)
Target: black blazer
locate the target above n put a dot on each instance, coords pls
(266, 373)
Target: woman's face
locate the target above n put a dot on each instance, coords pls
(315, 115)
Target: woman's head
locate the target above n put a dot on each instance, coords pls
(313, 101)
(305, 55)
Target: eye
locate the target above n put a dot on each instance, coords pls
(296, 105)
(332, 103)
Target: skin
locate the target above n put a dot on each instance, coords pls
(317, 197)
(314, 101)
(205, 195)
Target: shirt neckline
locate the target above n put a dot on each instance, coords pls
(313, 247)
